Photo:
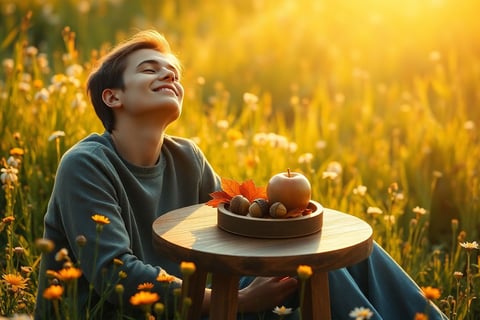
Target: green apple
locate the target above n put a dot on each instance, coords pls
(290, 188)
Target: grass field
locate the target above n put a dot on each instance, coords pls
(377, 102)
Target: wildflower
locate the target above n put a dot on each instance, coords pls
(361, 313)
(45, 245)
(8, 65)
(81, 240)
(144, 298)
(8, 219)
(26, 269)
(19, 250)
(374, 211)
(56, 135)
(461, 236)
(122, 274)
(431, 293)
(159, 308)
(469, 125)
(282, 311)
(165, 277)
(17, 152)
(222, 124)
(145, 286)
(119, 288)
(117, 262)
(469, 246)
(9, 175)
(360, 190)
(187, 268)
(458, 275)
(68, 274)
(15, 282)
(329, 175)
(419, 211)
(100, 220)
(234, 135)
(305, 158)
(304, 272)
(321, 144)
(250, 98)
(62, 254)
(420, 316)
(43, 95)
(54, 292)
(13, 162)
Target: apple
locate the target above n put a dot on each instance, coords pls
(290, 188)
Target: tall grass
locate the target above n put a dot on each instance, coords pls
(375, 101)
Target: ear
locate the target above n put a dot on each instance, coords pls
(111, 97)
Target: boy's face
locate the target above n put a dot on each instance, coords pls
(152, 85)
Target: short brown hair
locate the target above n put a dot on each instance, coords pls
(109, 73)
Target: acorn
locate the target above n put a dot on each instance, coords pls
(259, 208)
(239, 205)
(278, 210)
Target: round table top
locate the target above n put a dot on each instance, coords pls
(191, 234)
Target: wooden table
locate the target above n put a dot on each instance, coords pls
(191, 234)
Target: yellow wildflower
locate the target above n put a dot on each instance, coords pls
(304, 272)
(144, 298)
(164, 277)
(187, 268)
(16, 152)
(15, 282)
(53, 292)
(145, 286)
(99, 219)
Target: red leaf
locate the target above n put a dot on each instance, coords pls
(252, 192)
(218, 197)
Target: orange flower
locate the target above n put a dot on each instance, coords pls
(99, 219)
(145, 286)
(431, 293)
(144, 298)
(8, 219)
(15, 282)
(53, 292)
(420, 316)
(16, 151)
(165, 277)
(68, 274)
(304, 272)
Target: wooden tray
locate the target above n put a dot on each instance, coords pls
(271, 228)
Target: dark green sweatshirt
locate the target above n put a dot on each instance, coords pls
(93, 179)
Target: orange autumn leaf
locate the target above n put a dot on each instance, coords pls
(231, 188)
(250, 191)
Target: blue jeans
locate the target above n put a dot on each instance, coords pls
(377, 283)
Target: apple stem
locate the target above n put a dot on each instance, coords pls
(288, 172)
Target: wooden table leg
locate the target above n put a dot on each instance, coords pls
(224, 300)
(316, 303)
(196, 291)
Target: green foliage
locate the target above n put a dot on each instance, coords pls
(377, 96)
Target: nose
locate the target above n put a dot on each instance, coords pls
(167, 74)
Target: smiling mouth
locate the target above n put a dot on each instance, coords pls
(165, 89)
